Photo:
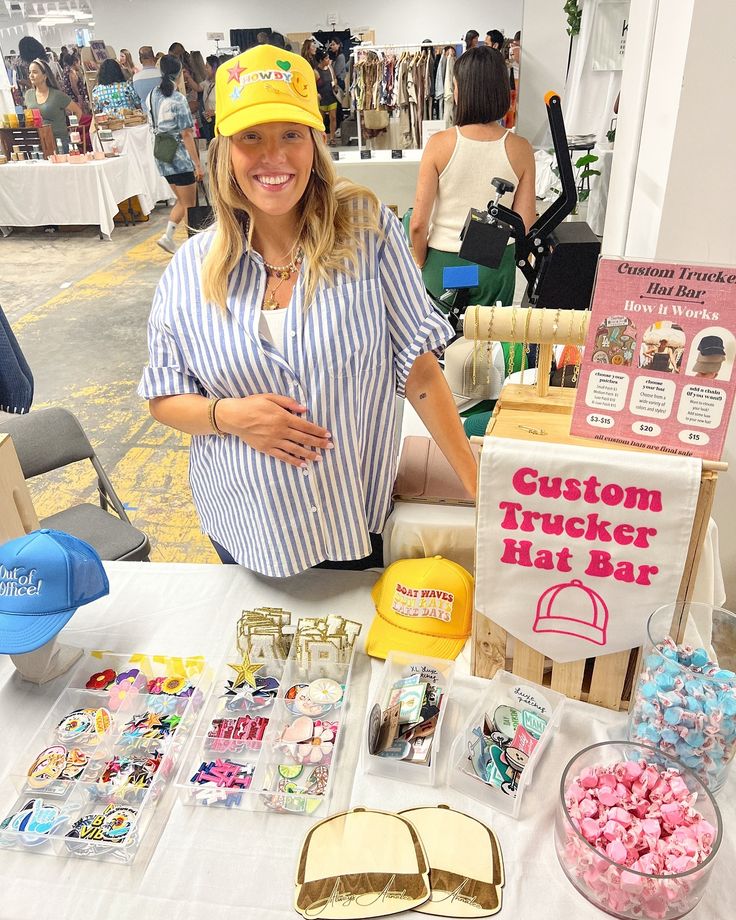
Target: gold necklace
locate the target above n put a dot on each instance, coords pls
(489, 353)
(283, 273)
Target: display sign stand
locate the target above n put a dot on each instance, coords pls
(541, 413)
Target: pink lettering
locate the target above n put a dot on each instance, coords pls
(519, 481)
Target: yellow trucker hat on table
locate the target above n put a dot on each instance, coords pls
(262, 85)
(423, 606)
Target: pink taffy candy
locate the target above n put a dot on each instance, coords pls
(616, 851)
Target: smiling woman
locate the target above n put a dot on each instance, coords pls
(281, 338)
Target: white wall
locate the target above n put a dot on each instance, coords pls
(131, 23)
(544, 50)
(682, 194)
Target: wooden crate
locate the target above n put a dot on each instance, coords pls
(27, 139)
(607, 680)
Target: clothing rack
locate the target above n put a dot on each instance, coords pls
(354, 51)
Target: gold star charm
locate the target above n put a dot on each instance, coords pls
(245, 673)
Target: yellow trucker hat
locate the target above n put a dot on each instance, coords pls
(262, 85)
(423, 606)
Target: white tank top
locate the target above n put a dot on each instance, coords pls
(465, 183)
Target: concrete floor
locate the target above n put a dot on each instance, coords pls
(79, 308)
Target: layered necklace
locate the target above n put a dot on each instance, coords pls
(282, 273)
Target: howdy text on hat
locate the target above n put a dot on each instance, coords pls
(19, 582)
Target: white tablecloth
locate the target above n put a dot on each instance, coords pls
(35, 194)
(137, 142)
(394, 181)
(222, 863)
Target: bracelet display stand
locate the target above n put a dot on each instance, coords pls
(543, 413)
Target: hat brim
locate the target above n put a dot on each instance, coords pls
(384, 638)
(265, 113)
(20, 634)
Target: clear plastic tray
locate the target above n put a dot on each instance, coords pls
(397, 666)
(103, 810)
(504, 690)
(226, 767)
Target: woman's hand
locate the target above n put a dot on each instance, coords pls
(198, 172)
(271, 424)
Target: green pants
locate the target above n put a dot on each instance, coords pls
(494, 285)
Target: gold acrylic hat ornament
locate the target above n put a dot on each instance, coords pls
(264, 85)
(361, 863)
(466, 868)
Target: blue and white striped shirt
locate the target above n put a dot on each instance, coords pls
(346, 358)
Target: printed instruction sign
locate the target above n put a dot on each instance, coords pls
(658, 370)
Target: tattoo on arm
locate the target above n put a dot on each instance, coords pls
(422, 395)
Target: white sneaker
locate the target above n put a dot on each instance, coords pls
(167, 244)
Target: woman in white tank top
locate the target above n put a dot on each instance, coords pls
(456, 172)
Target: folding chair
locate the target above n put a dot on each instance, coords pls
(49, 439)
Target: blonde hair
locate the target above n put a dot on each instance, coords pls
(331, 215)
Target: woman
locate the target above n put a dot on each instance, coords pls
(281, 338)
(208, 98)
(73, 82)
(309, 52)
(113, 93)
(455, 175)
(29, 50)
(327, 87)
(170, 115)
(127, 65)
(191, 88)
(46, 96)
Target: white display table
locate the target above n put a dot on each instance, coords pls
(137, 142)
(393, 181)
(40, 193)
(222, 862)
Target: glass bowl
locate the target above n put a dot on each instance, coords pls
(610, 886)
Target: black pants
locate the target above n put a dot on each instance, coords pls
(372, 561)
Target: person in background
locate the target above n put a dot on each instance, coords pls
(29, 49)
(125, 59)
(494, 39)
(455, 175)
(309, 51)
(338, 61)
(148, 76)
(277, 40)
(262, 38)
(46, 96)
(191, 86)
(113, 92)
(170, 114)
(72, 79)
(159, 55)
(208, 98)
(326, 87)
(292, 461)
(53, 62)
(471, 39)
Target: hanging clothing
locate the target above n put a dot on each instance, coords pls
(450, 90)
(439, 85)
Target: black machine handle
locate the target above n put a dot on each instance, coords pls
(533, 241)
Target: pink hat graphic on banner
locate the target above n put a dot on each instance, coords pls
(572, 609)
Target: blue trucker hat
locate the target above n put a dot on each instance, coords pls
(44, 576)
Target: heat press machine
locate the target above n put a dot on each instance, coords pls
(557, 259)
